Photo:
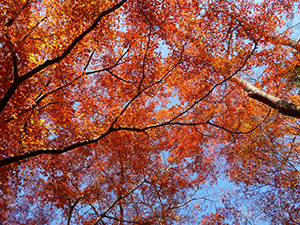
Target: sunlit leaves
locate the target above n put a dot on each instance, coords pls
(129, 111)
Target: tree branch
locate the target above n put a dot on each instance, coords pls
(286, 42)
(117, 200)
(52, 151)
(17, 82)
(282, 106)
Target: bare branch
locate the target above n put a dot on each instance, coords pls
(42, 151)
(117, 200)
(241, 132)
(108, 69)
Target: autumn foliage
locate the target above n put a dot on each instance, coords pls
(149, 112)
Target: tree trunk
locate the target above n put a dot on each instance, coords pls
(282, 106)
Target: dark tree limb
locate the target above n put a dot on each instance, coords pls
(17, 82)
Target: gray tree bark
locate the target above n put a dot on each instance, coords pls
(282, 106)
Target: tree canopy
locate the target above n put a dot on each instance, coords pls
(136, 111)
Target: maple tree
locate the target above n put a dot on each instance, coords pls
(90, 133)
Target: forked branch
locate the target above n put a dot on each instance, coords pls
(17, 82)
